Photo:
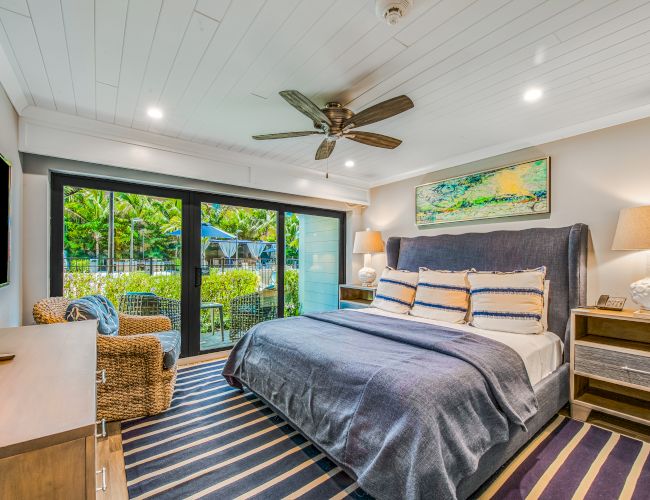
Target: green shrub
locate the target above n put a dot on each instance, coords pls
(217, 287)
(292, 305)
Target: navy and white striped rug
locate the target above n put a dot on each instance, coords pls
(215, 441)
(218, 442)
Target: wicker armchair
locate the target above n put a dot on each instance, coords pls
(136, 382)
(248, 310)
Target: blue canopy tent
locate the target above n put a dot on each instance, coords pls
(208, 231)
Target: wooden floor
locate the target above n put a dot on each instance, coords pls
(110, 448)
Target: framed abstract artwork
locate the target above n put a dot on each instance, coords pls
(521, 189)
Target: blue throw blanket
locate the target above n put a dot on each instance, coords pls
(406, 407)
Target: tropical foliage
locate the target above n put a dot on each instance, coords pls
(153, 219)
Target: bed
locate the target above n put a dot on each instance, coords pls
(414, 409)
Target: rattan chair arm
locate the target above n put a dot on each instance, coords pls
(133, 325)
(143, 350)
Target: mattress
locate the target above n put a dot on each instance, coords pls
(542, 354)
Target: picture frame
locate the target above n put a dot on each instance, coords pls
(513, 190)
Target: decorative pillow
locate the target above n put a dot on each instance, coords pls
(508, 302)
(441, 295)
(395, 291)
(94, 307)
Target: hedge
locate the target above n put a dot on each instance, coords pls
(218, 286)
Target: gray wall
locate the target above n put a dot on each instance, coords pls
(11, 295)
(594, 175)
(36, 185)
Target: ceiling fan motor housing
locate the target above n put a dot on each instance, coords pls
(392, 11)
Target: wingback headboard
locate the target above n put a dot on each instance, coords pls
(562, 250)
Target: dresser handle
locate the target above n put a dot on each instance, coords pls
(101, 423)
(102, 377)
(103, 473)
(634, 370)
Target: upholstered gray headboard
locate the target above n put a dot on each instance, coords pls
(562, 250)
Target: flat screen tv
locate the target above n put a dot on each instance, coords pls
(5, 186)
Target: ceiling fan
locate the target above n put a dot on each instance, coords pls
(334, 121)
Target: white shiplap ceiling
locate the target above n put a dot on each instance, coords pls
(215, 68)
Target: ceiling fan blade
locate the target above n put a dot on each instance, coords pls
(285, 135)
(305, 106)
(379, 112)
(325, 149)
(372, 139)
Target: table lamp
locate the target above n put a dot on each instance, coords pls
(633, 233)
(367, 242)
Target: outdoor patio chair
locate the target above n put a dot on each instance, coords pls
(139, 363)
(248, 310)
(150, 304)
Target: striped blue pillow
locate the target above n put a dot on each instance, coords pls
(395, 291)
(441, 295)
(508, 302)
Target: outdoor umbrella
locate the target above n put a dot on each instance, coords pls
(208, 231)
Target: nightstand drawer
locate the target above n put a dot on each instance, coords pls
(615, 365)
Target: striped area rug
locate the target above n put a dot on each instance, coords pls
(218, 442)
(215, 441)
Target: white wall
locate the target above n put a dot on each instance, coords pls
(11, 295)
(594, 175)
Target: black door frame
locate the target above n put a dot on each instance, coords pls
(190, 240)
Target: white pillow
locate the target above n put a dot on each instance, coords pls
(508, 302)
(441, 295)
(395, 291)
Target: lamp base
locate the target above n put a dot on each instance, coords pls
(640, 292)
(367, 276)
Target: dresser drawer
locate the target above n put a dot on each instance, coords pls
(615, 365)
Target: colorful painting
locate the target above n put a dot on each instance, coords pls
(522, 189)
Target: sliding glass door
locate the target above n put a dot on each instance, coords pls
(215, 265)
(238, 271)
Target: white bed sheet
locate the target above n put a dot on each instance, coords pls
(541, 353)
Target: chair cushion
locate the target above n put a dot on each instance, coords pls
(94, 307)
(171, 346)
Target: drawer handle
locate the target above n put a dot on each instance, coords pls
(103, 473)
(634, 370)
(102, 377)
(102, 424)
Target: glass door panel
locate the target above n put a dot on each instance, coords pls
(238, 272)
(124, 246)
(312, 266)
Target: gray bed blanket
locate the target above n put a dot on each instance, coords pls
(407, 407)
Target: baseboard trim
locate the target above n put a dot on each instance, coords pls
(202, 358)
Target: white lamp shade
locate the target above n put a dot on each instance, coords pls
(368, 242)
(633, 229)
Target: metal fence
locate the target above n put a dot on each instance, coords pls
(159, 266)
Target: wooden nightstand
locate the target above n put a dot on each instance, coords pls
(356, 296)
(610, 364)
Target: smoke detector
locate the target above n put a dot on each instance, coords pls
(392, 11)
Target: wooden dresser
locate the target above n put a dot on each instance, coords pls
(48, 411)
(610, 364)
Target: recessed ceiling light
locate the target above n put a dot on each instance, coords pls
(154, 112)
(533, 94)
(349, 164)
